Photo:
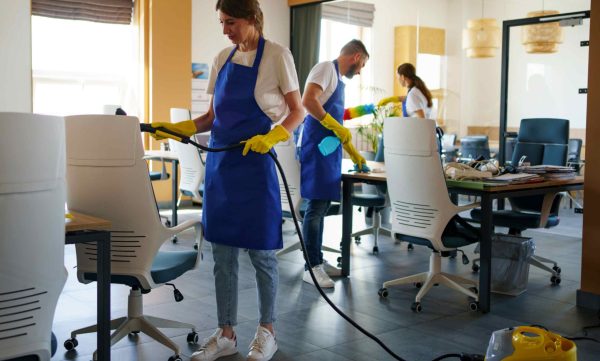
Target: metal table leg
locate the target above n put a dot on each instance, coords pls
(346, 225)
(485, 270)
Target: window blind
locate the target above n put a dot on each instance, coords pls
(349, 12)
(102, 11)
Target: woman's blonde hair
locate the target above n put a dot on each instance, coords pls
(243, 9)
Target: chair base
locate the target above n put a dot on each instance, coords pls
(296, 246)
(374, 230)
(436, 276)
(136, 322)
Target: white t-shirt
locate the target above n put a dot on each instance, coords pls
(325, 75)
(276, 76)
(415, 100)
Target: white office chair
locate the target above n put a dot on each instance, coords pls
(286, 154)
(108, 178)
(192, 166)
(32, 237)
(421, 207)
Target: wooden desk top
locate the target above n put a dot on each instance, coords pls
(380, 175)
(81, 222)
(160, 154)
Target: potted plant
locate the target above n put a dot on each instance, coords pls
(373, 130)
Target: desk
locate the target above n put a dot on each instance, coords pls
(80, 229)
(487, 193)
(168, 156)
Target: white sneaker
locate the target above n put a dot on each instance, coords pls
(264, 345)
(331, 270)
(215, 346)
(322, 277)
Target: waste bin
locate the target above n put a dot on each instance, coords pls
(510, 263)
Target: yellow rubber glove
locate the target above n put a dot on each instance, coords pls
(187, 128)
(330, 123)
(357, 159)
(264, 142)
(392, 99)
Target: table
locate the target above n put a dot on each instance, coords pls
(487, 193)
(168, 156)
(83, 228)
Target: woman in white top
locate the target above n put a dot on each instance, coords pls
(417, 102)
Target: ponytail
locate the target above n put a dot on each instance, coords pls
(408, 70)
(420, 84)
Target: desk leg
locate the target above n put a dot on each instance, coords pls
(174, 185)
(487, 230)
(346, 226)
(103, 294)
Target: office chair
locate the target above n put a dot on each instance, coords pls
(286, 154)
(449, 150)
(422, 211)
(542, 141)
(474, 146)
(375, 200)
(124, 196)
(574, 155)
(190, 161)
(32, 240)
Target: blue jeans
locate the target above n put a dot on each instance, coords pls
(312, 229)
(226, 282)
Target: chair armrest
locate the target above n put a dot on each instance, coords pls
(198, 234)
(546, 206)
(468, 206)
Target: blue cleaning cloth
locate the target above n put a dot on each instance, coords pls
(364, 169)
(329, 145)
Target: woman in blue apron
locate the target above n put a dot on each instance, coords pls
(241, 205)
(321, 174)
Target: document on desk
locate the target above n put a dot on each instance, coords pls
(510, 178)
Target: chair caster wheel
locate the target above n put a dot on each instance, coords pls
(70, 344)
(175, 358)
(196, 246)
(168, 223)
(474, 290)
(418, 284)
(416, 307)
(555, 280)
(383, 292)
(475, 267)
(474, 306)
(410, 247)
(174, 240)
(357, 240)
(339, 259)
(134, 333)
(375, 250)
(556, 269)
(192, 337)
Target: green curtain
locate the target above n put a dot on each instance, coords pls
(306, 32)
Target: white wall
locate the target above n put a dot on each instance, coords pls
(15, 61)
(208, 39)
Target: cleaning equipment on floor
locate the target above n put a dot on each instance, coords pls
(512, 344)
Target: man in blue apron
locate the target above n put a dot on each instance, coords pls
(241, 205)
(323, 99)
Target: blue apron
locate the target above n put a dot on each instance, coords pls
(404, 111)
(241, 206)
(321, 175)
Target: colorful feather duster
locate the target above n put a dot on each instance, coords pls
(358, 111)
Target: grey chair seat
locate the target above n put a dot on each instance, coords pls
(368, 199)
(516, 220)
(167, 266)
(449, 241)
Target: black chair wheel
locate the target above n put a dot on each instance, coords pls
(339, 259)
(416, 307)
(133, 333)
(555, 280)
(383, 292)
(474, 306)
(410, 247)
(357, 240)
(474, 290)
(556, 269)
(168, 223)
(70, 344)
(174, 240)
(192, 337)
(375, 250)
(196, 246)
(418, 284)
(475, 267)
(175, 358)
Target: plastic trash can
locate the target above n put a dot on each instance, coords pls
(510, 263)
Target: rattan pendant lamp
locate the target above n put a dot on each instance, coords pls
(481, 38)
(542, 38)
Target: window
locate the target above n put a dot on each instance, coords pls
(80, 66)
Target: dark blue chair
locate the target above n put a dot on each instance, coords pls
(474, 146)
(541, 141)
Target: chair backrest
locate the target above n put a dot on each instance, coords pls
(192, 168)
(475, 146)
(575, 145)
(286, 154)
(108, 178)
(32, 236)
(448, 140)
(542, 141)
(416, 186)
